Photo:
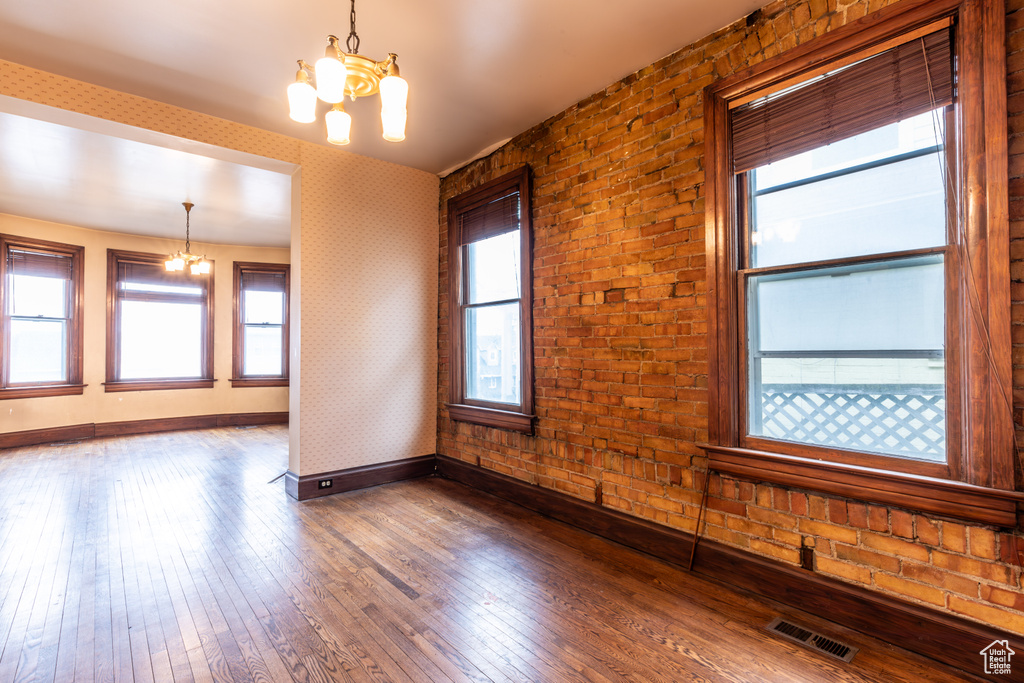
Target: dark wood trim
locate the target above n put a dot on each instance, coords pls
(166, 424)
(76, 314)
(489, 417)
(979, 381)
(306, 486)
(158, 384)
(237, 345)
(851, 39)
(31, 437)
(42, 390)
(118, 256)
(259, 382)
(940, 636)
(915, 492)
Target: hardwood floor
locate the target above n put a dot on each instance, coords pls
(169, 557)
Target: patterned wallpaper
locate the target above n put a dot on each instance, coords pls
(367, 259)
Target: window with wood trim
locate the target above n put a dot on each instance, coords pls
(857, 243)
(159, 325)
(260, 339)
(41, 296)
(490, 304)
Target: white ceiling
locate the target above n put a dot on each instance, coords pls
(68, 168)
(479, 71)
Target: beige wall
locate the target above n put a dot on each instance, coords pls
(364, 267)
(95, 405)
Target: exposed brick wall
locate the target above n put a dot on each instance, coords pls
(620, 331)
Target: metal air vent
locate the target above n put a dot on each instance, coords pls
(812, 640)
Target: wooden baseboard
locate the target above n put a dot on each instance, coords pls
(307, 486)
(941, 636)
(33, 437)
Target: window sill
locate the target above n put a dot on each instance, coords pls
(158, 384)
(259, 382)
(491, 417)
(43, 390)
(912, 491)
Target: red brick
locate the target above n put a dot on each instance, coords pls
(983, 543)
(845, 570)
(911, 589)
(902, 523)
(798, 503)
(954, 537)
(837, 511)
(868, 558)
(857, 513)
(878, 518)
(927, 531)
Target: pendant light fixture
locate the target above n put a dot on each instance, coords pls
(338, 74)
(197, 265)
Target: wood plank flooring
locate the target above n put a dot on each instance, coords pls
(169, 557)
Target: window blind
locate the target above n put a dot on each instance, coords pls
(38, 264)
(262, 281)
(489, 220)
(888, 87)
(156, 274)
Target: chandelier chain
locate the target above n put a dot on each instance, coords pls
(353, 48)
(188, 246)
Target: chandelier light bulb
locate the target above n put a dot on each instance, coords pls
(394, 92)
(331, 74)
(302, 99)
(339, 124)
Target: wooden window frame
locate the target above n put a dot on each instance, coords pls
(498, 415)
(115, 257)
(76, 305)
(978, 484)
(238, 379)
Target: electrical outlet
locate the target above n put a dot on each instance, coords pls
(326, 483)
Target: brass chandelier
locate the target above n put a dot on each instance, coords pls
(197, 265)
(338, 74)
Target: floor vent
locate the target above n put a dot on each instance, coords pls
(54, 444)
(815, 641)
(246, 426)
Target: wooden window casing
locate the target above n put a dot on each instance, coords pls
(976, 483)
(280, 271)
(73, 259)
(117, 262)
(489, 208)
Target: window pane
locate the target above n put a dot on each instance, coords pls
(262, 352)
(889, 406)
(887, 208)
(909, 135)
(264, 307)
(851, 357)
(492, 354)
(38, 350)
(493, 267)
(33, 296)
(891, 305)
(160, 340)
